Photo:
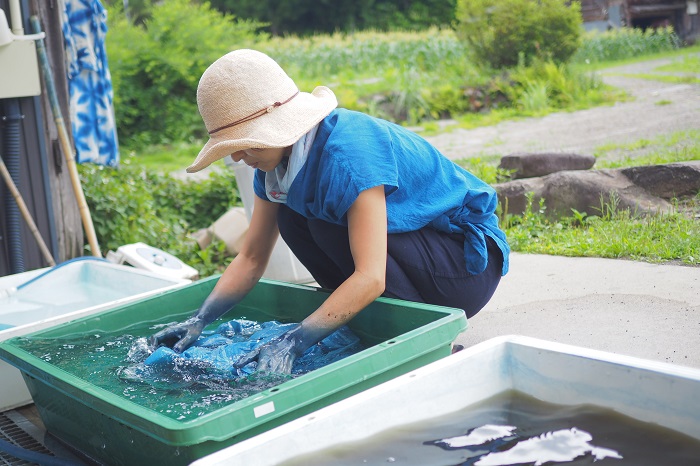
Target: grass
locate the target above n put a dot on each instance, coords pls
(680, 146)
(624, 46)
(618, 234)
(689, 64)
(681, 53)
(167, 158)
(666, 78)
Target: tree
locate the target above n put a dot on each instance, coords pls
(156, 66)
(500, 32)
(326, 16)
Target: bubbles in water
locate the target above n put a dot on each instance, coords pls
(139, 351)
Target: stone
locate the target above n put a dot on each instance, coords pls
(525, 165)
(586, 191)
(673, 180)
(231, 228)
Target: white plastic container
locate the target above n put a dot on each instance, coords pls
(155, 260)
(283, 265)
(72, 290)
(648, 391)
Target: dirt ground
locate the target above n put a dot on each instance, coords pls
(656, 108)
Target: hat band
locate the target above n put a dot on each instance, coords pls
(255, 115)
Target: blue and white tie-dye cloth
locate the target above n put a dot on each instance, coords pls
(84, 24)
(214, 354)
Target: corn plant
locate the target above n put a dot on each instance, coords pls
(622, 43)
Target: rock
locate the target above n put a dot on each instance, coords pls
(673, 180)
(231, 228)
(532, 165)
(203, 237)
(586, 191)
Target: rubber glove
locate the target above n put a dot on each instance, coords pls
(182, 335)
(279, 354)
(179, 336)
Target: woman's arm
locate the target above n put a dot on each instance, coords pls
(234, 284)
(244, 272)
(367, 227)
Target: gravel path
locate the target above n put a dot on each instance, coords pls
(657, 108)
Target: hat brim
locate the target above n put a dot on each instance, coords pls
(281, 127)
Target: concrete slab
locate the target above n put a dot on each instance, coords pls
(626, 307)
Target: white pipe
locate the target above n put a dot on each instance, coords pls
(16, 18)
(7, 37)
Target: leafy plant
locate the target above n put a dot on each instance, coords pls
(156, 66)
(497, 32)
(132, 204)
(535, 96)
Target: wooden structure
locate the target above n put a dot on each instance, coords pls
(682, 15)
(42, 177)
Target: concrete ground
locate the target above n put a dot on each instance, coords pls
(633, 308)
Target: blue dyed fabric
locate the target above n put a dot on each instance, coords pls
(84, 25)
(214, 354)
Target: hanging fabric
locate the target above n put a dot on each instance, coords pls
(84, 25)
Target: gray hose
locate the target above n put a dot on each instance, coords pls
(11, 156)
(33, 456)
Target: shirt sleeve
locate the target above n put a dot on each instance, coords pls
(357, 156)
(259, 184)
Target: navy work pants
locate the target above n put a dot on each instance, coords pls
(424, 266)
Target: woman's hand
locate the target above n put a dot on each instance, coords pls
(279, 354)
(179, 336)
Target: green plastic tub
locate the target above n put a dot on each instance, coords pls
(400, 336)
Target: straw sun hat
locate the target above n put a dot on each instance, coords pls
(247, 101)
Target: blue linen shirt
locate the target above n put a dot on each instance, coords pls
(353, 152)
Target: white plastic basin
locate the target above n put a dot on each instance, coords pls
(72, 290)
(648, 391)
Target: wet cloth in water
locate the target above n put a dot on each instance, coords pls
(215, 353)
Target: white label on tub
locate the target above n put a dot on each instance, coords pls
(262, 410)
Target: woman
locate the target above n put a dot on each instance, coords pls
(370, 208)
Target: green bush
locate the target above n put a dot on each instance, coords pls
(545, 84)
(131, 204)
(502, 32)
(155, 67)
